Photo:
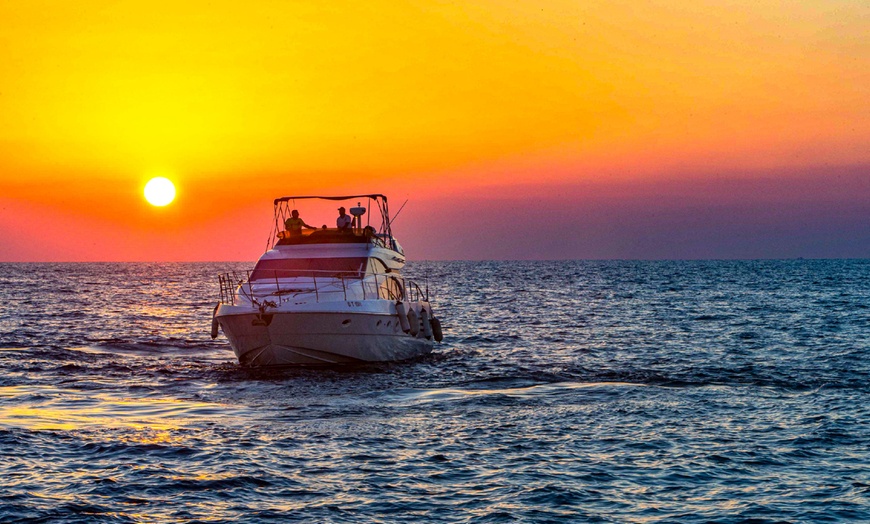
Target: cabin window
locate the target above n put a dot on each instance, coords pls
(309, 267)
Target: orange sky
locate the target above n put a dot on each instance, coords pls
(467, 105)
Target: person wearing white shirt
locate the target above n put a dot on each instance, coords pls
(343, 222)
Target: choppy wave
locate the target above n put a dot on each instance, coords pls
(564, 391)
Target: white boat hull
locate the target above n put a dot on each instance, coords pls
(317, 337)
(327, 296)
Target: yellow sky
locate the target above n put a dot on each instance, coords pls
(251, 100)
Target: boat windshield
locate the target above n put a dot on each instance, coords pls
(324, 236)
(309, 267)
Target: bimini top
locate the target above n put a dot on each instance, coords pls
(286, 198)
(371, 223)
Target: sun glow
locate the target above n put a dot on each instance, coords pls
(159, 191)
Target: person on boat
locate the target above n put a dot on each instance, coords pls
(294, 224)
(344, 222)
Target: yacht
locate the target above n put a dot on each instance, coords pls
(324, 295)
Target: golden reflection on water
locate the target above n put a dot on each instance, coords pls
(146, 421)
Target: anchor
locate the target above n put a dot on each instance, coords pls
(263, 319)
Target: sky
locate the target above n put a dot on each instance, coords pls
(514, 130)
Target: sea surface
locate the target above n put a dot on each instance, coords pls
(578, 391)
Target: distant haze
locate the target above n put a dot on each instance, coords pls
(818, 215)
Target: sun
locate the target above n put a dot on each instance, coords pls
(159, 191)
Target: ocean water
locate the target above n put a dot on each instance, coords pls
(715, 391)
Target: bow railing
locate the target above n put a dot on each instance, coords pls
(279, 286)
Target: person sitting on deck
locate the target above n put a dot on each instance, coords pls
(344, 222)
(294, 224)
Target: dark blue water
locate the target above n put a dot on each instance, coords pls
(563, 391)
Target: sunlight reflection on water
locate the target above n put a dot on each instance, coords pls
(48, 408)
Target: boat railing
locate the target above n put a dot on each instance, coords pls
(284, 285)
(335, 236)
(414, 293)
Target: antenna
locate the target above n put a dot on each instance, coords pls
(397, 214)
